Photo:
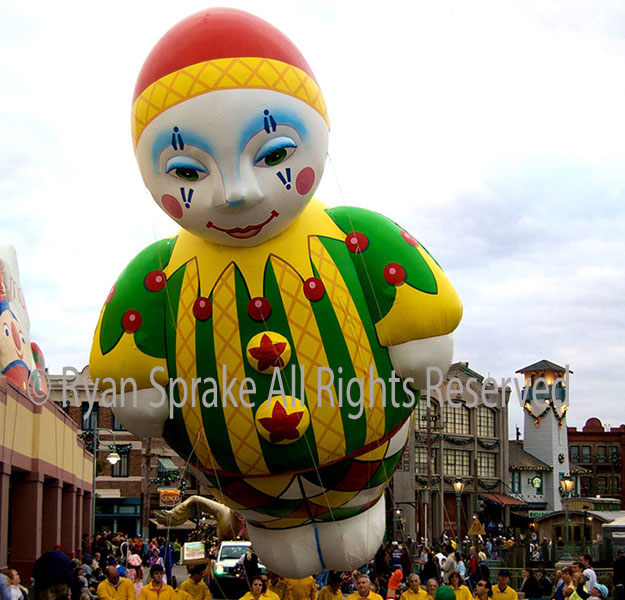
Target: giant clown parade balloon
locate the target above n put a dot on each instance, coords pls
(268, 337)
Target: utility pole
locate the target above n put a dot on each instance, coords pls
(428, 442)
(145, 486)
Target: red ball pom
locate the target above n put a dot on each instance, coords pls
(409, 239)
(155, 281)
(110, 296)
(131, 321)
(259, 309)
(202, 309)
(394, 274)
(356, 241)
(314, 288)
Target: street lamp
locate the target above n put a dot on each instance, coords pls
(113, 458)
(458, 487)
(567, 484)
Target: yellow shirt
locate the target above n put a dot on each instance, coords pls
(463, 593)
(148, 592)
(198, 591)
(125, 590)
(278, 589)
(327, 593)
(507, 594)
(182, 595)
(300, 589)
(418, 595)
(371, 596)
(269, 595)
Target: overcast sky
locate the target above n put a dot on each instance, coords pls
(493, 131)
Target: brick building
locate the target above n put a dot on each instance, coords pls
(120, 487)
(599, 449)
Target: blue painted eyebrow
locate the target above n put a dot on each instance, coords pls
(282, 117)
(163, 140)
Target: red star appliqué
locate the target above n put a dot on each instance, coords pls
(282, 426)
(268, 353)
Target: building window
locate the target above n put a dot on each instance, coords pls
(616, 487)
(421, 414)
(585, 453)
(117, 426)
(421, 460)
(486, 464)
(457, 462)
(515, 482)
(89, 422)
(602, 485)
(574, 453)
(601, 454)
(485, 422)
(120, 469)
(456, 420)
(586, 483)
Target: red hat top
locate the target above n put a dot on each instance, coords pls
(220, 48)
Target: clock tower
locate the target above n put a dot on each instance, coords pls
(545, 404)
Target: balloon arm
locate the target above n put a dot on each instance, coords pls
(425, 361)
(144, 414)
(229, 524)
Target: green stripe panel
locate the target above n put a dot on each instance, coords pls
(338, 356)
(175, 433)
(393, 416)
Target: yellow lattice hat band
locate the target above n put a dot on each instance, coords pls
(223, 74)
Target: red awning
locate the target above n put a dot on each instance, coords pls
(503, 499)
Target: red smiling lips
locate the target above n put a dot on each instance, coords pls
(243, 233)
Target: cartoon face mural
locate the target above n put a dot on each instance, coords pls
(18, 355)
(265, 337)
(13, 346)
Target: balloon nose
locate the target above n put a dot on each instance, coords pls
(16, 337)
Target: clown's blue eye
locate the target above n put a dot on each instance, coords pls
(275, 151)
(6, 331)
(186, 168)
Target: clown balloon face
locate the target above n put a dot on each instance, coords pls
(235, 167)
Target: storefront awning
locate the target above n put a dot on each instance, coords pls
(504, 500)
(166, 464)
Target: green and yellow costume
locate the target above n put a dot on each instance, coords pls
(335, 290)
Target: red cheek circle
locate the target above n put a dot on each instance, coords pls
(172, 206)
(304, 181)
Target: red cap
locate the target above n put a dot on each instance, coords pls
(213, 34)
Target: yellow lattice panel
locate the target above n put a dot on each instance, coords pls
(229, 354)
(354, 334)
(223, 74)
(326, 419)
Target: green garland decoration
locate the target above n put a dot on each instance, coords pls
(487, 445)
(551, 406)
(532, 468)
(170, 478)
(488, 486)
(88, 437)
